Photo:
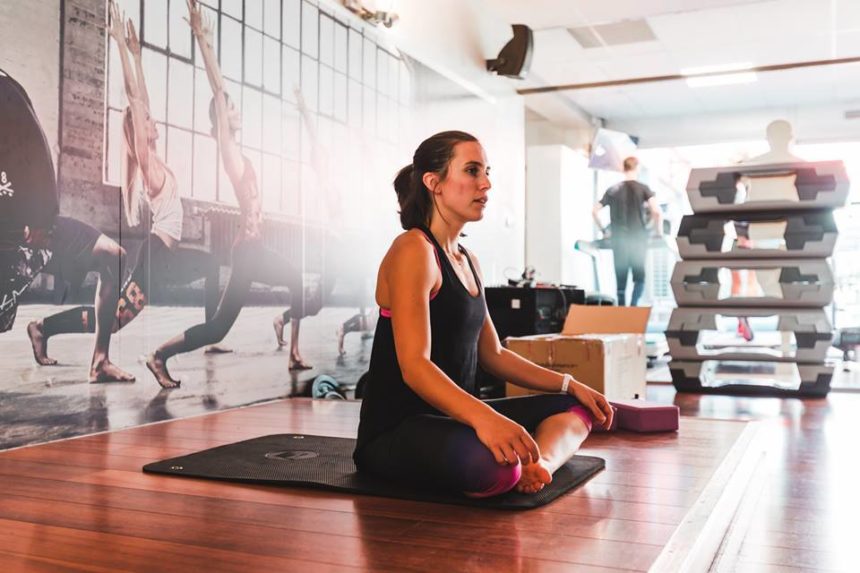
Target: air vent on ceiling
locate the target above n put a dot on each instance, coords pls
(852, 114)
(614, 34)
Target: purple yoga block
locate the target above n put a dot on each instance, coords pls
(642, 416)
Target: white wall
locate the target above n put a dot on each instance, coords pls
(30, 53)
(558, 213)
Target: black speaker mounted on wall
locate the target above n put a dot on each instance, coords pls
(516, 57)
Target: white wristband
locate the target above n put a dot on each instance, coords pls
(565, 383)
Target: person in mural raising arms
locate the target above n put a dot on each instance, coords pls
(342, 263)
(252, 261)
(421, 420)
(160, 260)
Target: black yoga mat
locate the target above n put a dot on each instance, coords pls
(321, 462)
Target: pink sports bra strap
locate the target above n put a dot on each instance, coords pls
(387, 312)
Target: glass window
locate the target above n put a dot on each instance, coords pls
(271, 124)
(155, 20)
(179, 156)
(202, 97)
(215, 22)
(355, 43)
(305, 137)
(393, 70)
(253, 57)
(291, 192)
(326, 40)
(369, 111)
(180, 103)
(354, 100)
(114, 148)
(271, 184)
(254, 14)
(310, 88)
(310, 30)
(405, 82)
(340, 98)
(180, 31)
(292, 74)
(382, 71)
(369, 63)
(231, 48)
(271, 65)
(155, 70)
(272, 22)
(326, 93)
(252, 117)
(233, 8)
(116, 86)
(205, 168)
(131, 9)
(292, 17)
(340, 47)
(291, 129)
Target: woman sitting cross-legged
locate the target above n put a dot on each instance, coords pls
(421, 420)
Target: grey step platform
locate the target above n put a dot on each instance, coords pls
(801, 283)
(741, 378)
(781, 335)
(763, 235)
(782, 186)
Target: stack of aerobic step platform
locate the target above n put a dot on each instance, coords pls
(754, 280)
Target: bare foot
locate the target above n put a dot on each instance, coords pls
(217, 349)
(340, 335)
(109, 372)
(40, 344)
(535, 476)
(158, 368)
(296, 363)
(278, 324)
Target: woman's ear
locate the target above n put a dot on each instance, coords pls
(430, 180)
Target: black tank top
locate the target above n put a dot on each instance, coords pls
(456, 318)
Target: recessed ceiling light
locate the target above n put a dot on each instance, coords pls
(721, 79)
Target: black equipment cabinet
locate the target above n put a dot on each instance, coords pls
(521, 311)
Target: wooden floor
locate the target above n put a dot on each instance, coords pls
(84, 504)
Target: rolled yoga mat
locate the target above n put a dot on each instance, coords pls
(321, 462)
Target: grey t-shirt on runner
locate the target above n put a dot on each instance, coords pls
(626, 202)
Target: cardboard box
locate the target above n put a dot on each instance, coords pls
(600, 346)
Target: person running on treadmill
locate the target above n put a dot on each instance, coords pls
(252, 261)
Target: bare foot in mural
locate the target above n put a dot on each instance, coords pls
(297, 363)
(158, 368)
(340, 336)
(39, 343)
(278, 325)
(535, 476)
(106, 371)
(217, 349)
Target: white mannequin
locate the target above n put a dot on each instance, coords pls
(780, 138)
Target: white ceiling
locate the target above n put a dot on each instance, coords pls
(691, 33)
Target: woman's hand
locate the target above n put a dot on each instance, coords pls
(199, 22)
(115, 22)
(596, 403)
(507, 440)
(131, 39)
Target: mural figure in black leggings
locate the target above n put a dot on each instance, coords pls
(252, 261)
(160, 260)
(421, 420)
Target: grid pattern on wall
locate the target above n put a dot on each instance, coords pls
(267, 49)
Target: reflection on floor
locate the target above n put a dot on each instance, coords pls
(42, 403)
